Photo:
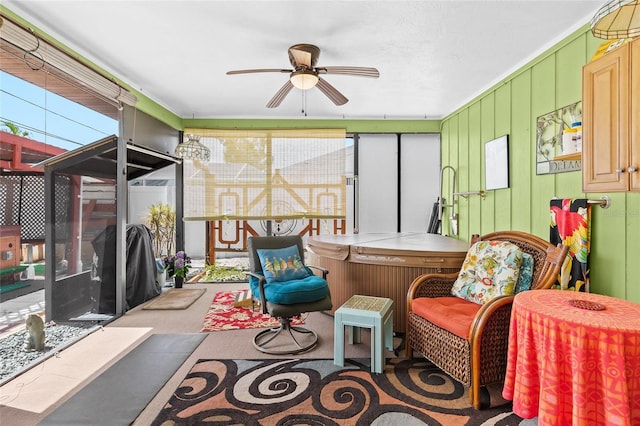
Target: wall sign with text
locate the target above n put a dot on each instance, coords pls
(558, 140)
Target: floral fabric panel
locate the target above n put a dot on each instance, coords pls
(571, 226)
(282, 264)
(490, 269)
(526, 273)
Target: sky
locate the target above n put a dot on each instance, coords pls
(50, 118)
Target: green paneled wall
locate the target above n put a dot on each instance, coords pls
(476, 169)
(549, 82)
(487, 133)
(521, 152)
(463, 175)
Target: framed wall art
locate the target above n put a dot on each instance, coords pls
(496, 163)
(552, 156)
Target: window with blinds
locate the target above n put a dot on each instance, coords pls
(267, 174)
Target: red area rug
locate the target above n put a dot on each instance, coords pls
(223, 315)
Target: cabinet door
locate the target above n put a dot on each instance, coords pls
(634, 117)
(605, 125)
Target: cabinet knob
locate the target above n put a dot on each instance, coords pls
(632, 169)
(619, 170)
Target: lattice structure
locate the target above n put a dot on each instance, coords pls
(22, 196)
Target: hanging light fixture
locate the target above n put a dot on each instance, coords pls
(617, 19)
(304, 79)
(192, 149)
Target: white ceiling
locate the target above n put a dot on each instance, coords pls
(433, 56)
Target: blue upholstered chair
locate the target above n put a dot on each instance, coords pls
(285, 288)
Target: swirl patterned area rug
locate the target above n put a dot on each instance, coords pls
(316, 392)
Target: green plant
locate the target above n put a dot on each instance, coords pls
(161, 220)
(14, 129)
(219, 273)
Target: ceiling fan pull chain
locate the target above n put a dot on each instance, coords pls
(304, 103)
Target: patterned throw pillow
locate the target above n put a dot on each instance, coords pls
(490, 269)
(526, 273)
(282, 264)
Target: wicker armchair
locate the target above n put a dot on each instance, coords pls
(480, 359)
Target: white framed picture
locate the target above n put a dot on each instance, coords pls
(496, 163)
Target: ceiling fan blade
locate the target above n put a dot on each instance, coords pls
(279, 97)
(331, 92)
(357, 71)
(257, 70)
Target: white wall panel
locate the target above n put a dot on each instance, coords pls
(420, 180)
(377, 183)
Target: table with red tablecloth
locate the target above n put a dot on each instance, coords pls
(574, 358)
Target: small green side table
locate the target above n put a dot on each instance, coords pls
(371, 312)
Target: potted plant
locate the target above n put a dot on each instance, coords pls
(161, 220)
(178, 266)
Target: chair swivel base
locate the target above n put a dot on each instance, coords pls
(262, 339)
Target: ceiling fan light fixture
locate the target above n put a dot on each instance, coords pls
(617, 19)
(304, 79)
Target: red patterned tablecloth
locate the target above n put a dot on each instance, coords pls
(574, 359)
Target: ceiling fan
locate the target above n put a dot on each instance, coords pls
(306, 75)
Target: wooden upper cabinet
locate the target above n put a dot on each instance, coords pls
(634, 117)
(610, 121)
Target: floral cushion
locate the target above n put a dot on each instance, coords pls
(526, 273)
(490, 269)
(282, 264)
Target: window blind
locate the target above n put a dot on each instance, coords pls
(267, 174)
(38, 52)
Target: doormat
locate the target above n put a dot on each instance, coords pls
(176, 298)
